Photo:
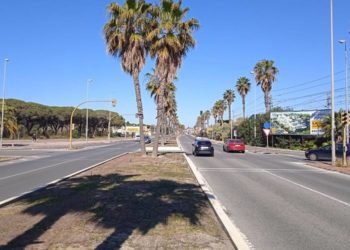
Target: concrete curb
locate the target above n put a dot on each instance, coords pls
(237, 238)
(7, 201)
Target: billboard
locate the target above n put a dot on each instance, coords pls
(298, 122)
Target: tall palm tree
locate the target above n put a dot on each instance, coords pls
(207, 116)
(170, 38)
(265, 74)
(220, 107)
(125, 38)
(214, 113)
(153, 86)
(229, 97)
(243, 87)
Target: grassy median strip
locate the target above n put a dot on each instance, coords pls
(132, 202)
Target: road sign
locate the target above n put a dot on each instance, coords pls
(266, 125)
(266, 131)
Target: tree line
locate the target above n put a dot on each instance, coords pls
(23, 119)
(265, 73)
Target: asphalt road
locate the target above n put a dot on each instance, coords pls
(277, 201)
(38, 168)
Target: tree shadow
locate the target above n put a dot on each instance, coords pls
(118, 202)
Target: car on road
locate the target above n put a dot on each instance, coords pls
(147, 138)
(325, 153)
(202, 146)
(233, 145)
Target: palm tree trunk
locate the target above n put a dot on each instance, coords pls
(160, 111)
(267, 101)
(243, 104)
(229, 112)
(163, 127)
(135, 76)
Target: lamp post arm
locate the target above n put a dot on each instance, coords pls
(71, 118)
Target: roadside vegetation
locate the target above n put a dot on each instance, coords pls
(23, 119)
(250, 129)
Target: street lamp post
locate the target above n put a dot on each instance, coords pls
(3, 101)
(113, 101)
(87, 110)
(109, 126)
(346, 86)
(252, 72)
(332, 83)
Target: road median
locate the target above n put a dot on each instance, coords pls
(132, 202)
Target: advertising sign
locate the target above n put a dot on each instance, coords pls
(298, 122)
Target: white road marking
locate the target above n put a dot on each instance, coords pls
(237, 237)
(263, 170)
(37, 169)
(310, 189)
(46, 167)
(61, 179)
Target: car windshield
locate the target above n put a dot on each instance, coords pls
(204, 143)
(328, 147)
(235, 141)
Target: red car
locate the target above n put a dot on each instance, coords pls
(233, 145)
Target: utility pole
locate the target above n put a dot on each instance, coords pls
(87, 110)
(3, 102)
(332, 83)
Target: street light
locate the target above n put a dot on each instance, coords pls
(332, 83)
(3, 101)
(343, 41)
(89, 81)
(253, 73)
(113, 101)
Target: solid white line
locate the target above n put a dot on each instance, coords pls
(61, 179)
(265, 169)
(310, 189)
(37, 169)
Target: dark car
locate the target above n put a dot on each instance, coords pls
(325, 153)
(147, 139)
(202, 146)
(233, 145)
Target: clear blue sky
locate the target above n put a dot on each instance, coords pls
(56, 46)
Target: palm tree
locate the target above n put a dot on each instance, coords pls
(153, 86)
(170, 38)
(243, 87)
(214, 113)
(229, 97)
(265, 74)
(220, 107)
(207, 117)
(125, 38)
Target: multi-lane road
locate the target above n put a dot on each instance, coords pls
(277, 201)
(39, 167)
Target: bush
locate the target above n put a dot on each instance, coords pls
(221, 132)
(75, 133)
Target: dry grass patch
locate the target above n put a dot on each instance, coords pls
(132, 202)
